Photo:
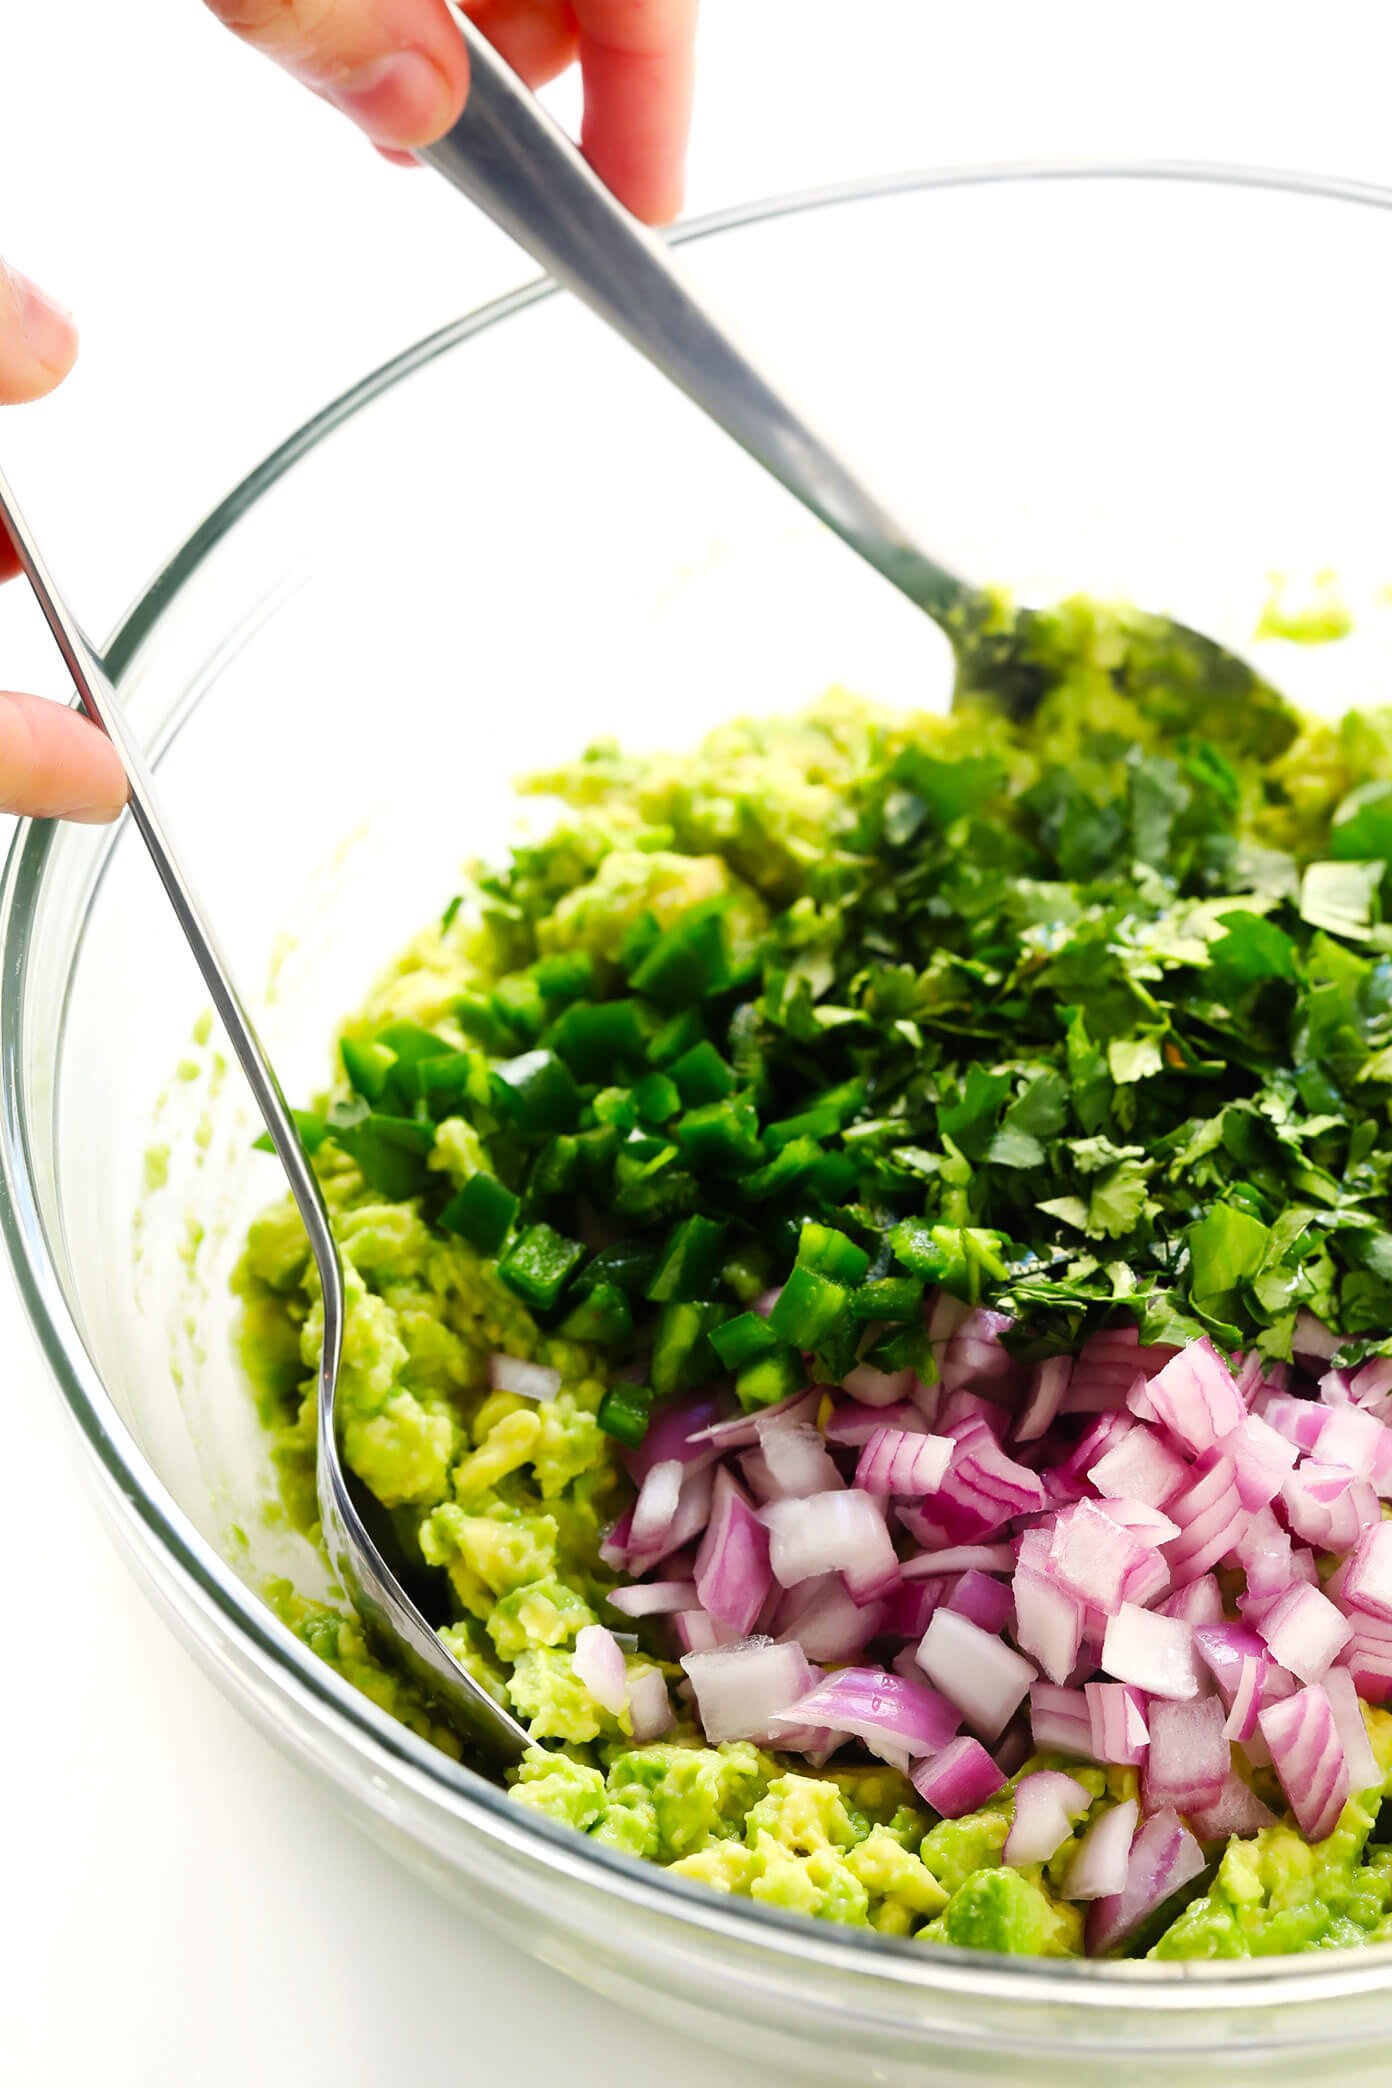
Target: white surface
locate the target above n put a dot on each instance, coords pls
(182, 1906)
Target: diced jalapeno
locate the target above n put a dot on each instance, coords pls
(689, 1263)
(769, 1379)
(481, 1213)
(538, 1265)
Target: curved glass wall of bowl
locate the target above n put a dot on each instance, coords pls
(643, 592)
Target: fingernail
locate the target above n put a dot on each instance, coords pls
(400, 101)
(95, 815)
(48, 329)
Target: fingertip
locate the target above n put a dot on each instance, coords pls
(55, 764)
(38, 339)
(402, 101)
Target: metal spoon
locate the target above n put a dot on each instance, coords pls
(507, 155)
(383, 1604)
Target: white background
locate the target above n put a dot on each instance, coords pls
(180, 1905)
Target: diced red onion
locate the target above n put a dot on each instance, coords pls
(1327, 1505)
(613, 1546)
(1211, 1516)
(698, 1633)
(1117, 1722)
(1309, 1758)
(1367, 1583)
(1046, 1806)
(1188, 1759)
(1371, 1383)
(1236, 1810)
(524, 1380)
(1351, 1437)
(945, 1316)
(1092, 1555)
(1098, 1870)
(1105, 1389)
(895, 1461)
(1164, 1857)
(1262, 1460)
(1141, 1466)
(1299, 1420)
(963, 1415)
(741, 1688)
(758, 1479)
(1155, 1653)
(654, 1598)
(1198, 1602)
(925, 1399)
(1250, 1694)
(850, 1426)
(1304, 1631)
(831, 1533)
(974, 1353)
(984, 1490)
(1120, 1344)
(1048, 1384)
(985, 1601)
(742, 1431)
(696, 1487)
(1312, 1338)
(1251, 1375)
(1368, 1658)
(1225, 1649)
(960, 1558)
(732, 1567)
(649, 1706)
(798, 1460)
(655, 1509)
(908, 1606)
(877, 1388)
(959, 1780)
(1104, 1432)
(673, 1433)
(599, 1663)
(1048, 1622)
(1264, 1553)
(826, 1623)
(890, 1714)
(1196, 1397)
(1059, 1720)
(986, 1679)
(1362, 1764)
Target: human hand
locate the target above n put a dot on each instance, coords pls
(399, 69)
(54, 764)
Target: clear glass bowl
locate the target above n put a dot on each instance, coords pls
(1161, 382)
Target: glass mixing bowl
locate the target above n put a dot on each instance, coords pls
(512, 540)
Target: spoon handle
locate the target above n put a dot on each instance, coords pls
(100, 703)
(507, 156)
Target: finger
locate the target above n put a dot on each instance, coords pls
(397, 67)
(38, 341)
(55, 764)
(538, 38)
(638, 61)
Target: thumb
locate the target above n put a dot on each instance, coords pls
(38, 341)
(398, 68)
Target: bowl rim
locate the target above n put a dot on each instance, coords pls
(221, 1601)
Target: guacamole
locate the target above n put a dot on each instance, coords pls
(770, 1068)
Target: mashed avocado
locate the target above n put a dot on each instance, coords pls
(535, 1091)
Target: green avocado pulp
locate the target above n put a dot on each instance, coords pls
(1090, 1017)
